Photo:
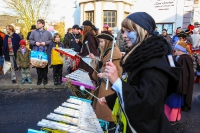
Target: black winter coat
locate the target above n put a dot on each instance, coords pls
(150, 78)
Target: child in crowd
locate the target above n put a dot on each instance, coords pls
(106, 40)
(183, 98)
(56, 59)
(23, 62)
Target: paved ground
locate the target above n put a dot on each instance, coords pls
(190, 122)
(21, 109)
(6, 83)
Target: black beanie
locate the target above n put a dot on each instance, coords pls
(105, 35)
(144, 20)
(87, 23)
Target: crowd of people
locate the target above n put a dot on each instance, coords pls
(151, 75)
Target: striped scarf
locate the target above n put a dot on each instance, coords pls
(10, 46)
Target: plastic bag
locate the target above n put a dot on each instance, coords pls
(39, 59)
(6, 66)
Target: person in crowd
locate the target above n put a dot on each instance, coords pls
(40, 39)
(105, 42)
(2, 34)
(196, 24)
(106, 28)
(10, 47)
(33, 27)
(73, 40)
(183, 98)
(195, 38)
(166, 36)
(23, 62)
(197, 61)
(156, 31)
(89, 39)
(139, 99)
(1, 58)
(69, 30)
(175, 37)
(56, 59)
(121, 42)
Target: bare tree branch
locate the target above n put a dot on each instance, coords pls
(29, 11)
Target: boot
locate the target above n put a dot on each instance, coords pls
(55, 80)
(1, 68)
(197, 79)
(29, 81)
(23, 81)
(59, 80)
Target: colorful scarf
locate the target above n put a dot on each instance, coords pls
(10, 46)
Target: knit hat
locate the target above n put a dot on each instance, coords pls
(144, 20)
(105, 35)
(22, 42)
(87, 23)
(182, 46)
(106, 26)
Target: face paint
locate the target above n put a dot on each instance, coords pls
(132, 35)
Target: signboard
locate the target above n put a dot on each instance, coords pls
(164, 4)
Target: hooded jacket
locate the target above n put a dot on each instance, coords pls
(150, 79)
(23, 60)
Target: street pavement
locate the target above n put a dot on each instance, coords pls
(21, 109)
(6, 83)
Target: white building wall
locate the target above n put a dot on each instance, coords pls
(171, 12)
(120, 14)
(72, 14)
(99, 15)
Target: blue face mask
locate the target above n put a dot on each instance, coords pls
(132, 37)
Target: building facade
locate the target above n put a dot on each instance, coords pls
(168, 14)
(101, 12)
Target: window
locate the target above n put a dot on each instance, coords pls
(110, 18)
(167, 26)
(90, 16)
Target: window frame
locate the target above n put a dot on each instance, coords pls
(163, 27)
(89, 17)
(111, 17)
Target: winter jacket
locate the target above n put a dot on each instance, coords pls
(93, 47)
(23, 60)
(169, 39)
(70, 42)
(105, 113)
(1, 45)
(55, 58)
(121, 42)
(15, 44)
(150, 78)
(45, 36)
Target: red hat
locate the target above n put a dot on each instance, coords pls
(22, 42)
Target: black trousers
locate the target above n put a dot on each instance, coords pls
(42, 73)
(57, 70)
